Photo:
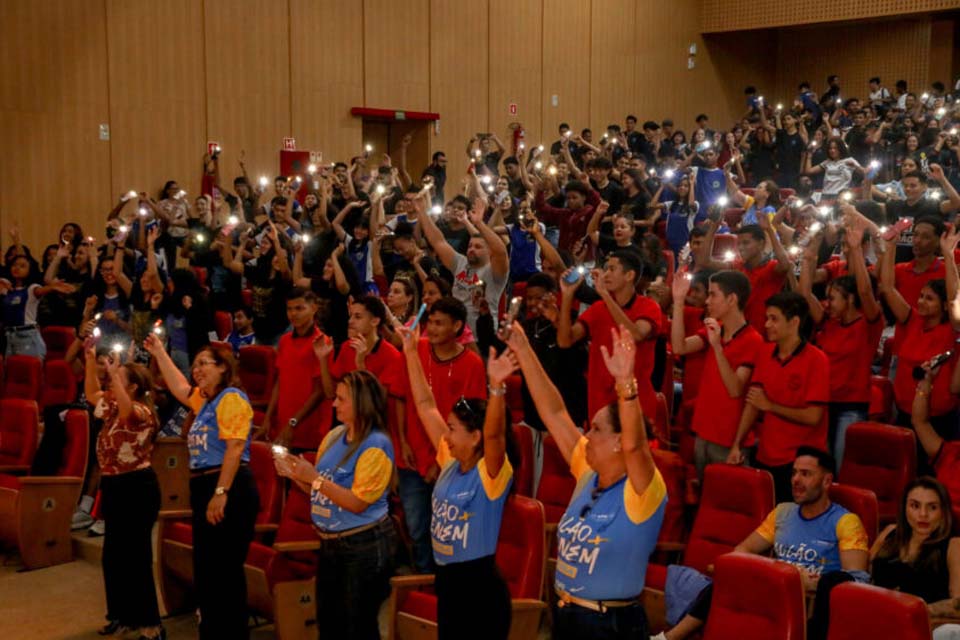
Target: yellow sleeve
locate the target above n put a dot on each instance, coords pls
(578, 459)
(443, 454)
(372, 475)
(747, 202)
(234, 417)
(640, 506)
(494, 487)
(196, 401)
(328, 440)
(768, 528)
(851, 535)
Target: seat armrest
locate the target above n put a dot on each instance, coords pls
(671, 546)
(38, 480)
(14, 469)
(410, 582)
(524, 604)
(265, 527)
(296, 545)
(175, 514)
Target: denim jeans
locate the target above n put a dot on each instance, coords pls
(416, 496)
(842, 415)
(26, 342)
(353, 579)
(621, 623)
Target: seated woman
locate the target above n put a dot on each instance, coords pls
(917, 555)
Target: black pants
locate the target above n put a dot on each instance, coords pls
(463, 590)
(219, 552)
(782, 480)
(621, 623)
(353, 579)
(820, 620)
(129, 503)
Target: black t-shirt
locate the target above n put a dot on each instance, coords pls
(857, 144)
(333, 312)
(269, 300)
(789, 149)
(612, 193)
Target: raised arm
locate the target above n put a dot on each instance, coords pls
(440, 245)
(680, 343)
(499, 258)
(952, 202)
(929, 439)
(494, 424)
(174, 379)
(888, 289)
(808, 267)
(426, 405)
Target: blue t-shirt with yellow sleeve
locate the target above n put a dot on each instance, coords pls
(366, 473)
(605, 537)
(228, 416)
(467, 509)
(813, 544)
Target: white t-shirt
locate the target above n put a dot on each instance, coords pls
(837, 175)
(465, 279)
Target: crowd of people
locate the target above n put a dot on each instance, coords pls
(779, 262)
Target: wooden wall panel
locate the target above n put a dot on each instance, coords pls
(248, 81)
(396, 43)
(733, 15)
(613, 62)
(566, 65)
(515, 68)
(849, 51)
(942, 48)
(53, 97)
(157, 115)
(326, 55)
(459, 80)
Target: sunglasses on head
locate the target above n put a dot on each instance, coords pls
(463, 406)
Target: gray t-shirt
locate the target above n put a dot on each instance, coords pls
(465, 281)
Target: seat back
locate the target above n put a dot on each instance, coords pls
(74, 461)
(881, 458)
(722, 243)
(268, 483)
(258, 372)
(556, 482)
(515, 398)
(674, 474)
(862, 502)
(297, 526)
(223, 324)
(58, 340)
(756, 597)
(521, 555)
(732, 217)
(864, 611)
(22, 378)
(523, 474)
(59, 383)
(734, 502)
(19, 424)
(881, 399)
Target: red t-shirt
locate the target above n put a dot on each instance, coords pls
(463, 376)
(693, 363)
(802, 380)
(297, 372)
(601, 387)
(764, 282)
(716, 415)
(918, 345)
(909, 283)
(388, 366)
(850, 349)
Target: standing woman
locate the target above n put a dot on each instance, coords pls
(468, 499)
(130, 493)
(348, 492)
(610, 528)
(223, 494)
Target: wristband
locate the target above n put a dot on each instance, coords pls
(627, 390)
(497, 391)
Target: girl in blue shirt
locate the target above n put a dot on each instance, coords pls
(19, 297)
(468, 499)
(764, 201)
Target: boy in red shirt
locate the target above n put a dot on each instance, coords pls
(619, 304)
(789, 393)
(733, 347)
(298, 391)
(453, 372)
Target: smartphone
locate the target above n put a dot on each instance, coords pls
(575, 275)
(279, 450)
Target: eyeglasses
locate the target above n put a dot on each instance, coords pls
(594, 496)
(463, 405)
(203, 363)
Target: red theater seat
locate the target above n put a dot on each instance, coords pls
(59, 383)
(19, 426)
(520, 559)
(722, 243)
(35, 511)
(515, 398)
(556, 482)
(58, 340)
(756, 597)
(859, 611)
(258, 372)
(883, 459)
(523, 475)
(223, 323)
(732, 217)
(269, 486)
(674, 529)
(862, 502)
(23, 378)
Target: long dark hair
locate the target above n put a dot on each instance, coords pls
(369, 401)
(930, 554)
(140, 376)
(472, 412)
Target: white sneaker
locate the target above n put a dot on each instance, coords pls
(97, 528)
(81, 520)
(659, 636)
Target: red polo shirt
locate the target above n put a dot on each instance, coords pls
(693, 363)
(802, 380)
(297, 370)
(462, 376)
(764, 282)
(716, 415)
(850, 349)
(909, 283)
(598, 322)
(918, 345)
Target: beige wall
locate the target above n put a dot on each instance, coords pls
(735, 15)
(169, 76)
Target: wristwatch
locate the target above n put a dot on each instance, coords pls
(292, 423)
(220, 491)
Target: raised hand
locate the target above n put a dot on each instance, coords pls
(680, 286)
(409, 337)
(622, 361)
(322, 347)
(501, 367)
(713, 331)
(153, 345)
(949, 240)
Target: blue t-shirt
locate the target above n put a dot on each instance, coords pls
(524, 252)
(467, 509)
(709, 186)
(237, 341)
(19, 306)
(605, 538)
(813, 544)
(681, 218)
(366, 473)
(228, 416)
